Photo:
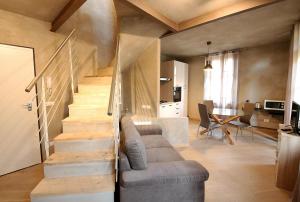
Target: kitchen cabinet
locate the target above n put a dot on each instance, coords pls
(178, 73)
(171, 109)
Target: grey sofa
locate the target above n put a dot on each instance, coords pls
(151, 170)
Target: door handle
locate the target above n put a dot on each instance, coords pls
(28, 106)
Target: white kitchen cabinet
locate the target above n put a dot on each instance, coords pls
(174, 109)
(181, 79)
(178, 72)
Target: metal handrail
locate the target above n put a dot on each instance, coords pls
(113, 83)
(35, 79)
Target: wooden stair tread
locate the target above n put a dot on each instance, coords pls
(96, 80)
(87, 106)
(90, 95)
(101, 120)
(74, 185)
(78, 157)
(84, 136)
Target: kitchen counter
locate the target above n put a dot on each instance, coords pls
(171, 109)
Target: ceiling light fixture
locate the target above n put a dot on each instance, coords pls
(208, 62)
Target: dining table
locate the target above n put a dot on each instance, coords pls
(223, 117)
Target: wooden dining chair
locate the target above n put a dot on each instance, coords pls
(244, 121)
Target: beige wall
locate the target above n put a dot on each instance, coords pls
(144, 86)
(24, 31)
(131, 47)
(263, 73)
(195, 93)
(96, 23)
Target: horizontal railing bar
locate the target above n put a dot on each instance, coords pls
(60, 79)
(113, 84)
(34, 81)
(59, 94)
(57, 106)
(58, 63)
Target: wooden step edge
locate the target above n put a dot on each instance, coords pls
(62, 158)
(81, 136)
(74, 185)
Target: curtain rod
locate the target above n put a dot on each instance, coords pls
(228, 51)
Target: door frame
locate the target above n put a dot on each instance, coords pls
(37, 98)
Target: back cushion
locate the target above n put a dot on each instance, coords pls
(134, 146)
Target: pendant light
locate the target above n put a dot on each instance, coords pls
(208, 62)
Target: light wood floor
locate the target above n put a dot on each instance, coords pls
(16, 187)
(244, 172)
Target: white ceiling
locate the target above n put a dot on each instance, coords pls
(181, 10)
(45, 10)
(261, 26)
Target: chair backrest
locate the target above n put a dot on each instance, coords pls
(203, 112)
(210, 105)
(248, 110)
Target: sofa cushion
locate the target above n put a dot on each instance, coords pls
(153, 129)
(124, 164)
(155, 141)
(134, 146)
(165, 173)
(162, 154)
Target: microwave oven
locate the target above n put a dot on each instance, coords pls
(274, 105)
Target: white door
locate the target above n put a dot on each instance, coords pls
(19, 138)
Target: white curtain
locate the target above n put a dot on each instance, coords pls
(293, 85)
(220, 84)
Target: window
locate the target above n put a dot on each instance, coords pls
(220, 84)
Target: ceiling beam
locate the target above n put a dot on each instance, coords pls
(66, 13)
(224, 12)
(145, 8)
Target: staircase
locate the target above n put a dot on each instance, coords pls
(82, 167)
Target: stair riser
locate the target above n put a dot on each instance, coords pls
(84, 145)
(93, 89)
(97, 80)
(86, 127)
(94, 92)
(76, 112)
(92, 101)
(88, 197)
(105, 72)
(83, 169)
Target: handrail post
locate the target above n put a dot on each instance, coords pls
(71, 67)
(45, 119)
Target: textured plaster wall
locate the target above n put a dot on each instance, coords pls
(96, 23)
(142, 78)
(19, 30)
(195, 93)
(263, 73)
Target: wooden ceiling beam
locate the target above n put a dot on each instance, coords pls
(224, 12)
(66, 13)
(145, 8)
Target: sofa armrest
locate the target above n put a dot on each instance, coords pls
(153, 129)
(165, 173)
